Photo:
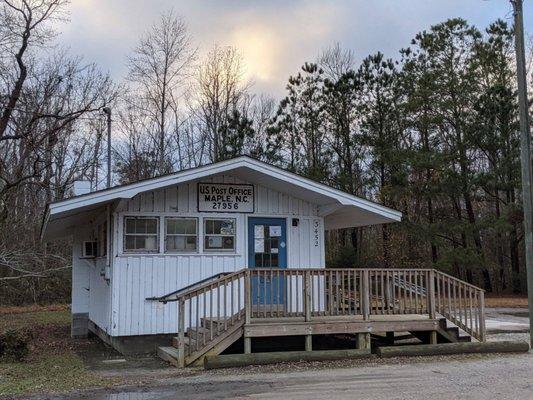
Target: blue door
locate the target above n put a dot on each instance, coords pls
(267, 248)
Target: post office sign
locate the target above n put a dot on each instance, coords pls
(225, 198)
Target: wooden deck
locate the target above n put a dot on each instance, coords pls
(339, 325)
(254, 303)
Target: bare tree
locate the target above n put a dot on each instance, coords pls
(57, 94)
(336, 61)
(220, 92)
(157, 70)
(23, 24)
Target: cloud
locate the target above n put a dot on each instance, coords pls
(275, 37)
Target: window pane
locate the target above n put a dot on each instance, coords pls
(150, 242)
(181, 243)
(217, 224)
(140, 225)
(178, 226)
(227, 227)
(174, 226)
(130, 243)
(191, 243)
(175, 243)
(228, 242)
(220, 226)
(151, 225)
(209, 226)
(130, 225)
(274, 260)
(140, 242)
(189, 226)
(213, 242)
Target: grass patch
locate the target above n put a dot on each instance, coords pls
(54, 363)
(49, 373)
(34, 319)
(509, 301)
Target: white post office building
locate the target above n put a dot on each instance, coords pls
(136, 243)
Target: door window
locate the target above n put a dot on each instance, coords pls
(266, 246)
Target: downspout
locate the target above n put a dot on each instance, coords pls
(108, 245)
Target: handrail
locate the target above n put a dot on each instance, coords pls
(185, 290)
(211, 310)
(459, 280)
(225, 276)
(462, 303)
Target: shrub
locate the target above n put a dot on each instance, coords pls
(14, 345)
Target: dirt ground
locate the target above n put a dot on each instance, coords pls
(103, 374)
(474, 377)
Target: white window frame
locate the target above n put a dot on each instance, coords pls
(205, 235)
(197, 235)
(157, 234)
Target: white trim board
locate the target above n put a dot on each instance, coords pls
(328, 199)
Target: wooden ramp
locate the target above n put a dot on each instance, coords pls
(258, 303)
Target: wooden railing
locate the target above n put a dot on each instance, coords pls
(461, 303)
(313, 293)
(327, 292)
(209, 310)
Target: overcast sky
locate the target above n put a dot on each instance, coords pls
(275, 37)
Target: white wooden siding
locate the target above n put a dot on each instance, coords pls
(91, 292)
(136, 277)
(80, 277)
(100, 296)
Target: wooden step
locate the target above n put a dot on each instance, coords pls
(191, 341)
(447, 335)
(208, 322)
(168, 354)
(217, 345)
(453, 330)
(188, 342)
(443, 323)
(199, 333)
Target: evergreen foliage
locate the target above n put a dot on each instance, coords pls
(434, 134)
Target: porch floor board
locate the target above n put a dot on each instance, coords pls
(340, 324)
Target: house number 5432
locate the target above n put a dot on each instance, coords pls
(316, 232)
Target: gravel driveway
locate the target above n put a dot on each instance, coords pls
(462, 377)
(452, 377)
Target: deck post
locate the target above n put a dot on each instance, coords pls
(362, 341)
(247, 310)
(387, 295)
(482, 316)
(181, 333)
(307, 296)
(431, 304)
(365, 288)
(247, 345)
(307, 308)
(431, 295)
